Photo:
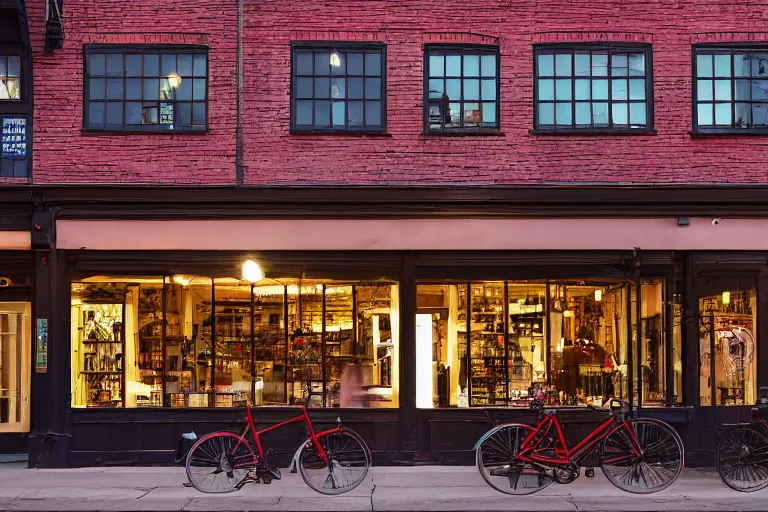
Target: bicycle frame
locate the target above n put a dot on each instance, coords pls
(304, 416)
(530, 451)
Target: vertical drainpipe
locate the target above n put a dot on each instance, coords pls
(239, 129)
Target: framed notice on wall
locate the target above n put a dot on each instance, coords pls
(41, 360)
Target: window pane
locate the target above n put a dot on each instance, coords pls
(200, 65)
(436, 65)
(637, 114)
(151, 89)
(637, 64)
(303, 63)
(581, 64)
(759, 115)
(637, 89)
(436, 88)
(304, 113)
(471, 90)
(167, 64)
(322, 113)
(489, 113)
(133, 88)
(354, 63)
(599, 64)
(454, 115)
(115, 113)
(115, 89)
(338, 88)
(166, 92)
(339, 114)
(355, 113)
(20, 168)
(723, 89)
(184, 65)
(149, 115)
(471, 114)
(453, 89)
(723, 114)
(546, 65)
(355, 88)
(704, 114)
(453, 65)
(3, 66)
(743, 115)
(373, 64)
(600, 114)
(600, 89)
(151, 65)
(198, 113)
(583, 114)
(759, 90)
(373, 88)
(563, 64)
(564, 114)
(322, 63)
(582, 89)
(471, 65)
(372, 113)
(488, 65)
(704, 66)
(185, 114)
(619, 65)
(98, 66)
(563, 89)
(742, 90)
(488, 91)
(722, 65)
(619, 89)
(619, 113)
(322, 87)
(14, 66)
(96, 114)
(546, 114)
(338, 63)
(704, 90)
(304, 87)
(198, 89)
(740, 64)
(759, 64)
(133, 112)
(546, 89)
(133, 65)
(96, 88)
(12, 85)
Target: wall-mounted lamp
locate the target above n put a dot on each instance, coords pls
(252, 271)
(598, 295)
(726, 298)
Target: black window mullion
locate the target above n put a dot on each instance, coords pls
(573, 90)
(731, 58)
(609, 77)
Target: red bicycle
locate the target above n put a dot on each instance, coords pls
(333, 461)
(637, 455)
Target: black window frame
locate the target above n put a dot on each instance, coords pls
(19, 108)
(610, 49)
(730, 49)
(344, 46)
(145, 49)
(469, 49)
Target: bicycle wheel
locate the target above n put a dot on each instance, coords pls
(497, 462)
(655, 468)
(348, 462)
(742, 460)
(218, 462)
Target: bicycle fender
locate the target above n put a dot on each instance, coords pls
(490, 433)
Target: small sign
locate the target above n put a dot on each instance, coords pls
(41, 363)
(14, 137)
(166, 113)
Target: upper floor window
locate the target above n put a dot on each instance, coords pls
(730, 89)
(338, 88)
(146, 88)
(461, 89)
(10, 77)
(593, 88)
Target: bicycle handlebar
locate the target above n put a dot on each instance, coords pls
(538, 405)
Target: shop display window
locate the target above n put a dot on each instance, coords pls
(194, 341)
(728, 347)
(566, 343)
(15, 344)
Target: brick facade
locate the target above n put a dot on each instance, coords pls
(62, 153)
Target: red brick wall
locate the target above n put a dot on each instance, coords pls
(403, 155)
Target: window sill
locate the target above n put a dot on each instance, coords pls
(353, 133)
(465, 133)
(589, 133)
(729, 133)
(95, 132)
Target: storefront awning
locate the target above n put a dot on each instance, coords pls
(415, 234)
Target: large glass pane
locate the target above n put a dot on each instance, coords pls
(270, 344)
(654, 362)
(197, 308)
(546, 65)
(564, 114)
(471, 65)
(145, 376)
(436, 65)
(526, 345)
(348, 363)
(233, 343)
(704, 67)
(305, 330)
(15, 346)
(488, 374)
(115, 64)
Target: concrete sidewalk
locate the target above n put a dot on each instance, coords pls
(387, 488)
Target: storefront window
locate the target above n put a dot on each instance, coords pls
(15, 346)
(562, 342)
(728, 347)
(192, 341)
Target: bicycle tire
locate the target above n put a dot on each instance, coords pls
(742, 459)
(662, 459)
(219, 454)
(495, 461)
(348, 456)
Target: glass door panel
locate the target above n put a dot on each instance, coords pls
(14, 366)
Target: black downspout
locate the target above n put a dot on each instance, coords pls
(239, 129)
